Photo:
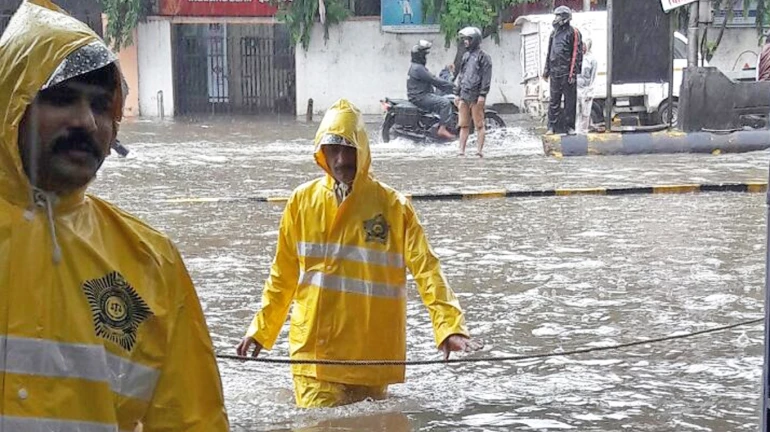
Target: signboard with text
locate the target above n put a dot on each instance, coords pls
(406, 16)
(233, 8)
(673, 4)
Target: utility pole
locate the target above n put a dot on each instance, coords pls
(586, 5)
(692, 36)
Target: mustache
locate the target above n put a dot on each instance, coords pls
(77, 139)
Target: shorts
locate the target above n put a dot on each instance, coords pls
(467, 111)
(312, 393)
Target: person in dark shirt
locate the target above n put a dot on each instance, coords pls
(562, 65)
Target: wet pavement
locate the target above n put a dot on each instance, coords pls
(533, 275)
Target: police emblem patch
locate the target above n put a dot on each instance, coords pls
(376, 229)
(116, 308)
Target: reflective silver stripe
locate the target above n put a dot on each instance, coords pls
(90, 362)
(348, 285)
(351, 253)
(132, 379)
(33, 424)
(49, 358)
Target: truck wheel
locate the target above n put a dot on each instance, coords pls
(663, 113)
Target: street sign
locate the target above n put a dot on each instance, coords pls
(673, 4)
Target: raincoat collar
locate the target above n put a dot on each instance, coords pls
(38, 40)
(344, 119)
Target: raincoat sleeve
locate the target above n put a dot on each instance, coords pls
(280, 286)
(423, 74)
(486, 74)
(459, 78)
(189, 395)
(443, 306)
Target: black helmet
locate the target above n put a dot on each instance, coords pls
(420, 52)
(563, 16)
(473, 34)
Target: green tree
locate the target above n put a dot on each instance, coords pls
(763, 17)
(301, 15)
(122, 18)
(453, 15)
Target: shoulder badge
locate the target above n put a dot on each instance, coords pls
(116, 308)
(377, 229)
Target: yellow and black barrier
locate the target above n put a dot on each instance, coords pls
(634, 143)
(749, 187)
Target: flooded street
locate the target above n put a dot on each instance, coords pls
(533, 275)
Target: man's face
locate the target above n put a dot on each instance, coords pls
(66, 134)
(467, 42)
(342, 162)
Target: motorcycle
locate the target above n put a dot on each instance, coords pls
(406, 120)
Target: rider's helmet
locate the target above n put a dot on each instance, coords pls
(563, 16)
(473, 34)
(420, 52)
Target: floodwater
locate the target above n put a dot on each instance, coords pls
(533, 275)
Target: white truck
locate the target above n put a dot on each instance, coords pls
(645, 103)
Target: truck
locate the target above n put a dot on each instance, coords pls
(639, 104)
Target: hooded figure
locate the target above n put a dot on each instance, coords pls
(474, 81)
(562, 65)
(101, 326)
(344, 245)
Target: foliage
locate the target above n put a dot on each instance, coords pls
(763, 17)
(122, 18)
(455, 14)
(300, 16)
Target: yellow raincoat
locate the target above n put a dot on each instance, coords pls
(113, 334)
(344, 266)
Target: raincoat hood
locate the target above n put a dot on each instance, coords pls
(344, 119)
(41, 47)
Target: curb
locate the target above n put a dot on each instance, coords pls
(665, 142)
(749, 187)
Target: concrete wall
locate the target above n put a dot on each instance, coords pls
(156, 72)
(127, 57)
(363, 64)
(739, 46)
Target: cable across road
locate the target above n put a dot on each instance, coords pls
(746, 187)
(487, 359)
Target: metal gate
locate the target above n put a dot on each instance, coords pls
(233, 68)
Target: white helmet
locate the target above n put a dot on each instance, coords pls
(472, 33)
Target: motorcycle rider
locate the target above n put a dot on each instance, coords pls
(419, 88)
(562, 65)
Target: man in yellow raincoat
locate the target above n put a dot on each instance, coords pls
(100, 327)
(344, 244)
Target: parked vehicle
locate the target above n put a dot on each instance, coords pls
(644, 103)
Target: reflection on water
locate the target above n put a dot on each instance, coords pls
(533, 275)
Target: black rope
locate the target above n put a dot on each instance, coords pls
(485, 359)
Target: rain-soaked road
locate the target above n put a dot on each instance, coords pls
(534, 275)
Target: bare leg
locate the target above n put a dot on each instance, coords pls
(480, 135)
(464, 132)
